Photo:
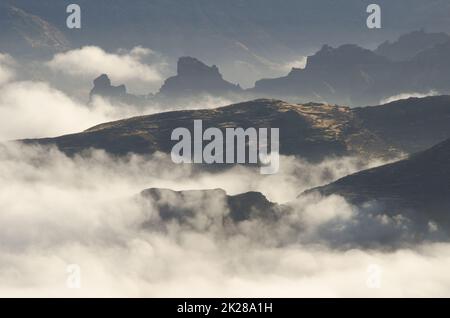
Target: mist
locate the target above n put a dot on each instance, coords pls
(50, 106)
(86, 210)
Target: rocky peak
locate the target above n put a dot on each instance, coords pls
(103, 87)
(344, 55)
(195, 77)
(189, 66)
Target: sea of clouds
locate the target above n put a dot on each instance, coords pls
(56, 211)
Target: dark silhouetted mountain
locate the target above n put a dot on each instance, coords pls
(351, 75)
(409, 45)
(410, 125)
(193, 81)
(104, 88)
(27, 34)
(196, 78)
(430, 69)
(312, 131)
(346, 75)
(417, 187)
(181, 205)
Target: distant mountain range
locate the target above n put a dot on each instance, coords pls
(347, 75)
(352, 75)
(211, 29)
(411, 44)
(416, 63)
(248, 40)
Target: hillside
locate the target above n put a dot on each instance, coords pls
(312, 131)
(418, 187)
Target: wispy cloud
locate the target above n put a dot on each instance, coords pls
(91, 61)
(408, 95)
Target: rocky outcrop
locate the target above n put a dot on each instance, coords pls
(181, 205)
(196, 78)
(103, 87)
(115, 94)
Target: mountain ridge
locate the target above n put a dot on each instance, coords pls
(313, 131)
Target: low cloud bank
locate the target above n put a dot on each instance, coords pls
(92, 61)
(31, 109)
(56, 211)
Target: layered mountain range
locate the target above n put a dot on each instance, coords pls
(353, 75)
(415, 64)
(347, 74)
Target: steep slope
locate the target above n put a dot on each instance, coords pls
(313, 131)
(410, 125)
(26, 34)
(211, 27)
(418, 186)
